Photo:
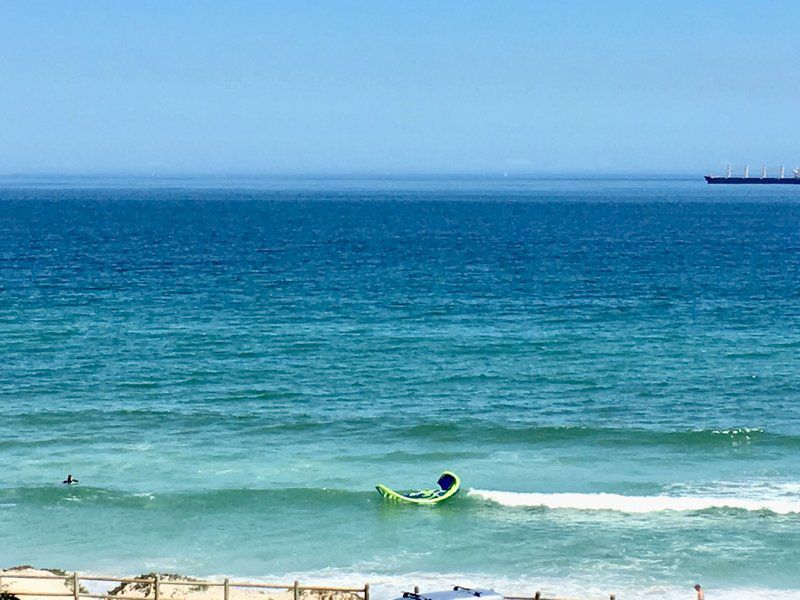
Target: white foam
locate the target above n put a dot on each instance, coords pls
(148, 495)
(636, 504)
(389, 586)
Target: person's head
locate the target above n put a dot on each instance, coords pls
(697, 587)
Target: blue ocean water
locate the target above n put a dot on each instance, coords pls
(229, 367)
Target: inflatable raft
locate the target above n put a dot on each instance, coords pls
(448, 482)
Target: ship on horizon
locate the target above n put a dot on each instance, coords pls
(731, 179)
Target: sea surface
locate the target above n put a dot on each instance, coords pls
(230, 366)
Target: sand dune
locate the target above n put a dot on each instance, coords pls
(37, 586)
(168, 588)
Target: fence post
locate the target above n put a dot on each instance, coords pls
(226, 586)
(366, 591)
(156, 587)
(296, 590)
(76, 586)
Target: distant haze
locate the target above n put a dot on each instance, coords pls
(384, 87)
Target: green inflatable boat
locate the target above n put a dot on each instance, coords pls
(448, 482)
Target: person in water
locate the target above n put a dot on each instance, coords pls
(700, 593)
(70, 480)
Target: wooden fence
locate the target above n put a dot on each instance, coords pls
(74, 581)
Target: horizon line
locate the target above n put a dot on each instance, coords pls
(366, 174)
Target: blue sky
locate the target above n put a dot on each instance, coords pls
(345, 87)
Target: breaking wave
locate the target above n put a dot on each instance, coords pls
(635, 504)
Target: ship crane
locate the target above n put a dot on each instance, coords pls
(765, 178)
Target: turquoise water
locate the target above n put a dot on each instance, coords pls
(230, 370)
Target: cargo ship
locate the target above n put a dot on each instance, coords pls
(731, 179)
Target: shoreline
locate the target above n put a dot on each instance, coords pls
(175, 586)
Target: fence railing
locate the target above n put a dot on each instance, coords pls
(73, 580)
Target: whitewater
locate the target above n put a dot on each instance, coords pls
(635, 504)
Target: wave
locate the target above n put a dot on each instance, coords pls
(193, 500)
(635, 504)
(774, 500)
(220, 418)
(472, 430)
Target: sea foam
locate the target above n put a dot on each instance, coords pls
(635, 504)
(385, 586)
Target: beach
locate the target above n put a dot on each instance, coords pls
(40, 584)
(609, 365)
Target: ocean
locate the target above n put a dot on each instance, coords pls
(230, 366)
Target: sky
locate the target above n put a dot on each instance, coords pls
(297, 87)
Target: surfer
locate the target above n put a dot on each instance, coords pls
(69, 480)
(700, 593)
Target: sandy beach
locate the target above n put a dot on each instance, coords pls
(172, 586)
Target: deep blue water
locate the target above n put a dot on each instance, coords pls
(230, 371)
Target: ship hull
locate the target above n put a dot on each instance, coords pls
(752, 180)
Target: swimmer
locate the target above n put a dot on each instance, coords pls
(69, 480)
